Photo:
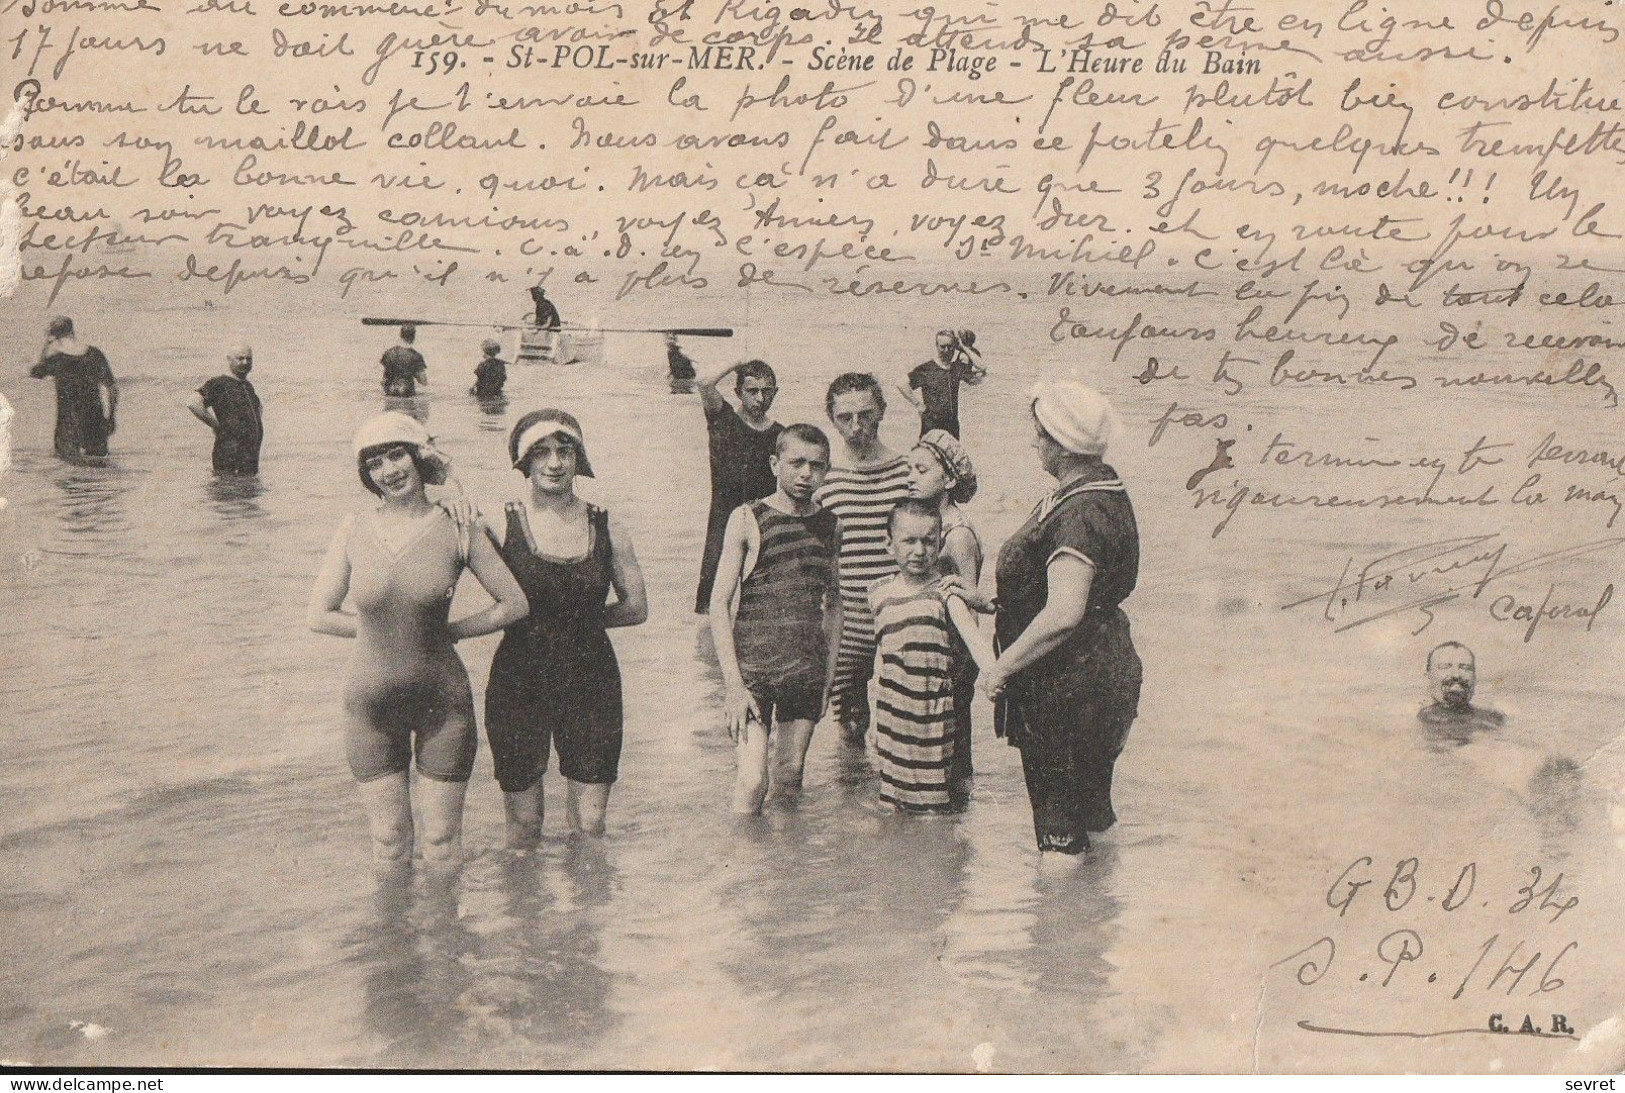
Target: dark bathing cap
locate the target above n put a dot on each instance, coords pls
(538, 425)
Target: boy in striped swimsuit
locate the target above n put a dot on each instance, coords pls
(861, 491)
(776, 649)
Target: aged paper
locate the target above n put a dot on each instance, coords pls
(1346, 270)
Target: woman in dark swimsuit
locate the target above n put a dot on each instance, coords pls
(406, 691)
(555, 680)
(1067, 679)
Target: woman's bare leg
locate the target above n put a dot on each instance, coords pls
(585, 804)
(389, 815)
(442, 805)
(524, 812)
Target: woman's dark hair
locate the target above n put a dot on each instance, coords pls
(754, 370)
(913, 506)
(807, 434)
(424, 474)
(848, 382)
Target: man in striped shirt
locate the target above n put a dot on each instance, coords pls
(866, 479)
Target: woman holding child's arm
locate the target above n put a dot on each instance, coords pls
(1067, 681)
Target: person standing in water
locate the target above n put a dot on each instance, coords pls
(83, 379)
(230, 406)
(865, 481)
(554, 679)
(679, 368)
(491, 374)
(937, 381)
(917, 652)
(404, 366)
(941, 474)
(406, 692)
(741, 446)
(1067, 680)
(776, 650)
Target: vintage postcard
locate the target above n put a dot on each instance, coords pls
(813, 535)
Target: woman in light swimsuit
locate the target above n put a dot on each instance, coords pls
(406, 691)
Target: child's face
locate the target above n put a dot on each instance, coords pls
(915, 543)
(800, 469)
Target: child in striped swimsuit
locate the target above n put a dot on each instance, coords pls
(917, 650)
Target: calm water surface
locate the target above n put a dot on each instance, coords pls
(186, 861)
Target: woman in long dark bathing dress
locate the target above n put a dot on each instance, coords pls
(1067, 680)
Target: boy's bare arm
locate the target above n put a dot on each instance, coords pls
(739, 706)
(730, 565)
(707, 385)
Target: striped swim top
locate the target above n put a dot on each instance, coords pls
(862, 499)
(779, 629)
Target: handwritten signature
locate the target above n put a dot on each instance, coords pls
(1471, 564)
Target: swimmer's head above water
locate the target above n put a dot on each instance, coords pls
(1452, 672)
(392, 430)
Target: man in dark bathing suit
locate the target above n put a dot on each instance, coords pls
(1452, 673)
(933, 387)
(230, 406)
(404, 366)
(82, 375)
